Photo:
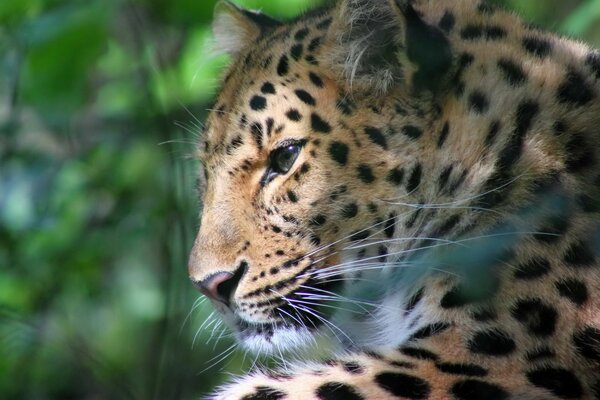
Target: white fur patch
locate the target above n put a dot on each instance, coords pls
(231, 34)
(284, 339)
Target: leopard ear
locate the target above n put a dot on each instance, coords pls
(379, 44)
(235, 28)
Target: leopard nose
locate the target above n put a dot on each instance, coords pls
(220, 286)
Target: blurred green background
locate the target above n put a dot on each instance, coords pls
(100, 103)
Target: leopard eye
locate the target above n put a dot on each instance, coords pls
(283, 158)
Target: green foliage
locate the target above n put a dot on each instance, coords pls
(96, 216)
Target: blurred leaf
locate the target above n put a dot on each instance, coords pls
(62, 46)
(13, 11)
(281, 9)
(582, 18)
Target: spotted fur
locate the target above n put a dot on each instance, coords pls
(439, 225)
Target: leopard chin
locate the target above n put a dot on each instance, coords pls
(272, 339)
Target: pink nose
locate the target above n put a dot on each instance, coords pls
(219, 286)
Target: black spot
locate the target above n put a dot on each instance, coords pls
(532, 269)
(447, 22)
(588, 203)
(256, 130)
(305, 97)
(559, 127)
(444, 176)
(539, 354)
(390, 225)
(443, 135)
(412, 131)
(485, 315)
(365, 173)
(464, 61)
(472, 389)
(526, 111)
(376, 137)
(292, 196)
(314, 44)
(415, 178)
(411, 222)
(579, 255)
(339, 152)
(315, 240)
(237, 142)
(319, 124)
(296, 51)
(360, 235)
(478, 102)
(572, 289)
(580, 155)
(492, 342)
(468, 293)
(495, 32)
(462, 369)
(265, 393)
(270, 122)
(553, 230)
(344, 105)
(457, 182)
(324, 24)
(268, 88)
(350, 210)
(293, 115)
(395, 176)
(275, 229)
(420, 354)
(593, 61)
(315, 79)
(301, 34)
(558, 381)
(512, 71)
(575, 90)
(283, 66)
(413, 301)
(430, 330)
(537, 317)
(492, 133)
(496, 188)
(471, 32)
(318, 220)
(447, 226)
(353, 367)
(258, 103)
(587, 342)
(474, 32)
(337, 391)
(403, 385)
(337, 191)
(537, 46)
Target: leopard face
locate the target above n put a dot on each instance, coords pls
(357, 150)
(299, 184)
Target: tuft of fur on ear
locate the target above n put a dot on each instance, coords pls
(234, 28)
(378, 44)
(366, 35)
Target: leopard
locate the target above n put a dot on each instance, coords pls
(400, 200)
